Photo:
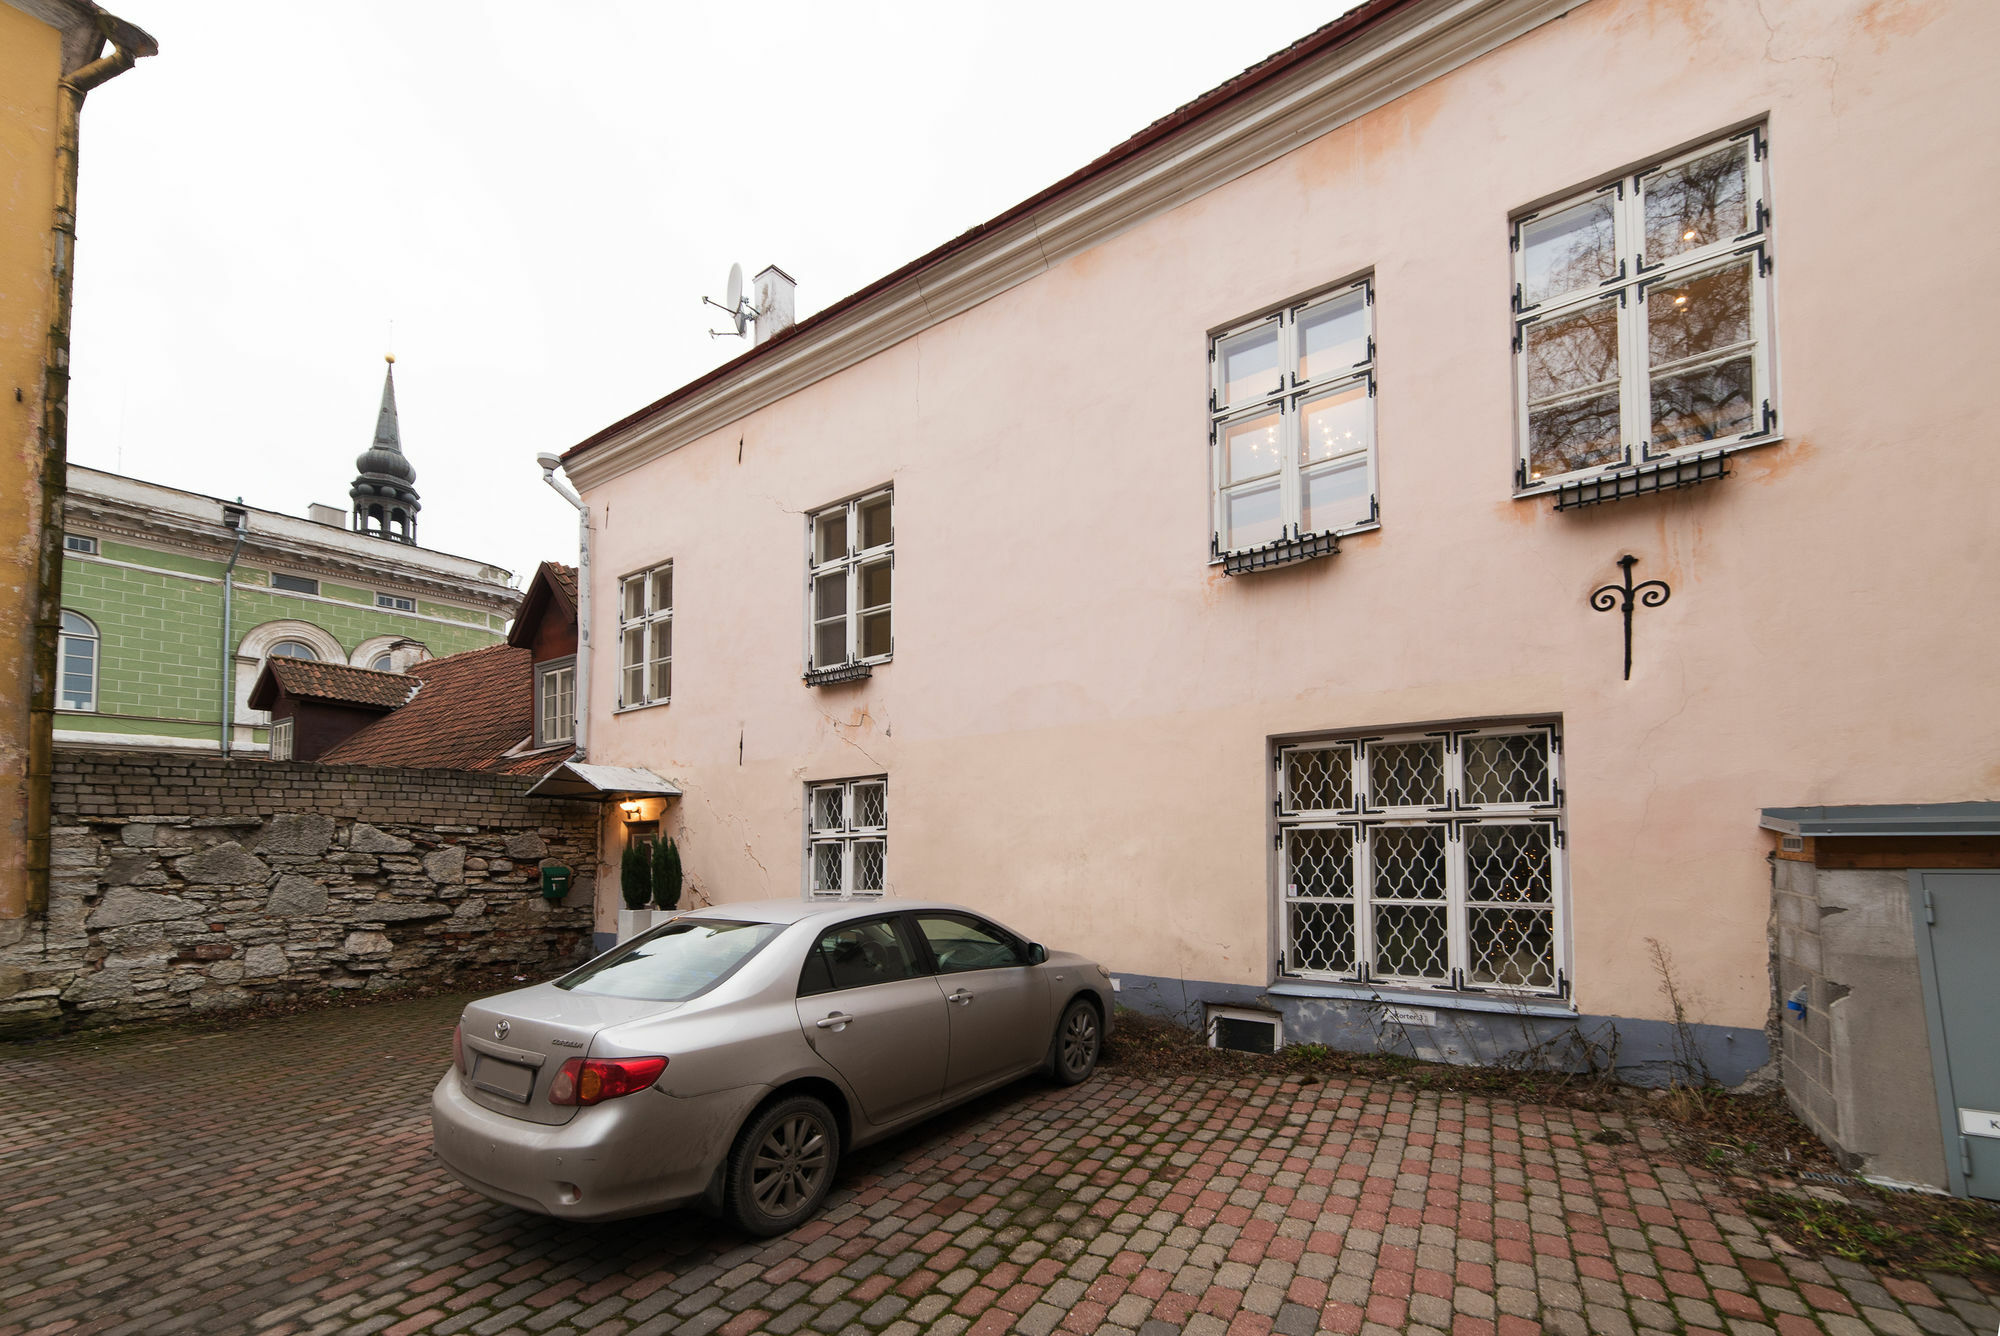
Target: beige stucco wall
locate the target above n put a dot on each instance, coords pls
(30, 65)
(1076, 724)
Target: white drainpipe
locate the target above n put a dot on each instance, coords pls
(550, 463)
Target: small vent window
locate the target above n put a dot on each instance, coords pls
(1245, 1031)
(295, 584)
(76, 542)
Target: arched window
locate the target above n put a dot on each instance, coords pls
(76, 655)
(383, 664)
(293, 649)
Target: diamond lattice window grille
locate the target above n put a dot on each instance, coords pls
(1411, 884)
(1320, 937)
(1319, 779)
(871, 806)
(1321, 863)
(1512, 948)
(847, 849)
(1406, 774)
(1411, 942)
(1509, 864)
(1509, 769)
(1408, 861)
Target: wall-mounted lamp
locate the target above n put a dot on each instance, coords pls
(630, 807)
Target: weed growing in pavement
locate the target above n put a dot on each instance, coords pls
(1900, 1231)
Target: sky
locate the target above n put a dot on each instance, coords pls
(535, 198)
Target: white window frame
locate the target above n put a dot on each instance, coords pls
(1629, 287)
(653, 691)
(281, 739)
(1287, 397)
(559, 676)
(77, 542)
(1360, 820)
(845, 837)
(64, 638)
(396, 602)
(848, 567)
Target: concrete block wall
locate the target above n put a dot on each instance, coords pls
(189, 884)
(1856, 1059)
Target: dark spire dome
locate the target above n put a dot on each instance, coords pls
(384, 490)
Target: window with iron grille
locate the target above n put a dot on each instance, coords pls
(1292, 422)
(646, 637)
(848, 594)
(1430, 860)
(1642, 317)
(847, 838)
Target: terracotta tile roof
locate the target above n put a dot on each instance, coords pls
(338, 682)
(471, 710)
(551, 593)
(563, 578)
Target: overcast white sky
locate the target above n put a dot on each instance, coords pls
(538, 195)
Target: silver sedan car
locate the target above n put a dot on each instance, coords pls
(731, 1055)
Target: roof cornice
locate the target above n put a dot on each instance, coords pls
(1397, 49)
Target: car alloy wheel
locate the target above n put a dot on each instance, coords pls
(1077, 1039)
(783, 1165)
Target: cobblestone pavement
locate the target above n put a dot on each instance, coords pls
(276, 1178)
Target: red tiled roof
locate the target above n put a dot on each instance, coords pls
(314, 680)
(472, 709)
(553, 581)
(1341, 30)
(563, 578)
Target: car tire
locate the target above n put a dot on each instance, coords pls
(782, 1166)
(1078, 1039)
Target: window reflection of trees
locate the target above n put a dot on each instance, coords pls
(1706, 321)
(1567, 355)
(1571, 250)
(1697, 203)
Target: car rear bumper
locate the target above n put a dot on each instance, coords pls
(645, 1152)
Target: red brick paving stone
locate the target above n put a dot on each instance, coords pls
(1791, 1324)
(416, 1323)
(1912, 1292)
(179, 1177)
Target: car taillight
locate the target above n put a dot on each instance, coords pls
(594, 1080)
(458, 1047)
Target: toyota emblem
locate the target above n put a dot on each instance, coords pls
(500, 1030)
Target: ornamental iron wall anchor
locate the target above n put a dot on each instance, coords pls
(1623, 597)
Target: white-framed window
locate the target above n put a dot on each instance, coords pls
(1425, 859)
(1642, 317)
(294, 584)
(555, 702)
(1292, 421)
(646, 637)
(281, 739)
(850, 575)
(396, 601)
(293, 649)
(76, 662)
(847, 838)
(76, 542)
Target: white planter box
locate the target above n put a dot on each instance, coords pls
(632, 922)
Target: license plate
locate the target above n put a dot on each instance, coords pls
(509, 1080)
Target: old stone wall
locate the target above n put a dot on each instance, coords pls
(190, 884)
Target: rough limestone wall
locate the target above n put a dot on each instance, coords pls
(187, 884)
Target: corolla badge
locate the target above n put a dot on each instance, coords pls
(500, 1030)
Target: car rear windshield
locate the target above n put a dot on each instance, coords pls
(672, 963)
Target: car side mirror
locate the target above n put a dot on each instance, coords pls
(1037, 953)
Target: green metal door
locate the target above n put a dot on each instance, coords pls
(1958, 946)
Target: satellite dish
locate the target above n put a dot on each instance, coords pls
(741, 312)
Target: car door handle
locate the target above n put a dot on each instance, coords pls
(833, 1020)
(961, 997)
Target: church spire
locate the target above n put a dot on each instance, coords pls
(384, 491)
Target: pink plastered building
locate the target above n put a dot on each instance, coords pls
(1198, 566)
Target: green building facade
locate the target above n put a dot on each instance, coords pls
(149, 592)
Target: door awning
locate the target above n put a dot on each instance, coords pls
(1925, 819)
(579, 779)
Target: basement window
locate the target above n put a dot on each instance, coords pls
(1245, 1031)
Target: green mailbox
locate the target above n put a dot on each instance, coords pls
(555, 882)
